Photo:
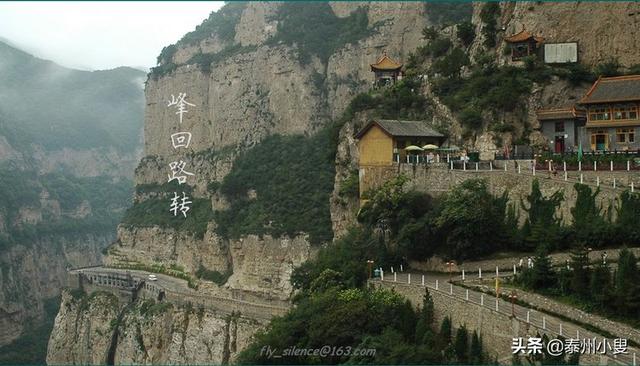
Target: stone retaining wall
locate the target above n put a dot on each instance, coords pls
(437, 179)
(496, 329)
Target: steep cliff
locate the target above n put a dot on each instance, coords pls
(266, 81)
(69, 141)
(253, 70)
(99, 329)
(270, 86)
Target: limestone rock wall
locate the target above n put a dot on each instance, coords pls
(602, 30)
(83, 329)
(25, 283)
(98, 329)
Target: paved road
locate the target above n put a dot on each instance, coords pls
(544, 322)
(166, 282)
(177, 290)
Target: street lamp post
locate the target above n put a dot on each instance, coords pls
(370, 266)
(450, 263)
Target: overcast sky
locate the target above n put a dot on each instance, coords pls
(100, 35)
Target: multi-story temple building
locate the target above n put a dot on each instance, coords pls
(612, 113)
(605, 119)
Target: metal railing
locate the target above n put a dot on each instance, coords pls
(543, 322)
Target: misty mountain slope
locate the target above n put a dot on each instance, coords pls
(69, 142)
(56, 107)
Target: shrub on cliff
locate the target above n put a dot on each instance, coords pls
(292, 177)
(473, 220)
(315, 29)
(347, 319)
(466, 33)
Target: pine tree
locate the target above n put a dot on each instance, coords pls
(424, 333)
(580, 271)
(627, 218)
(600, 286)
(627, 288)
(461, 345)
(475, 352)
(542, 226)
(588, 223)
(542, 275)
(445, 332)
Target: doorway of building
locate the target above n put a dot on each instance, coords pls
(559, 145)
(601, 142)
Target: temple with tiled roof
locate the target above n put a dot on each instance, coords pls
(386, 71)
(523, 44)
(613, 108)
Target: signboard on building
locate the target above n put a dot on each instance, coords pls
(561, 53)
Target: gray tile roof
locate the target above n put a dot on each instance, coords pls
(398, 128)
(561, 113)
(614, 89)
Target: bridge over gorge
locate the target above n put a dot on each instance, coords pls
(130, 285)
(496, 320)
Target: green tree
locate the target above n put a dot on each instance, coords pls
(476, 354)
(473, 220)
(438, 47)
(471, 118)
(444, 337)
(489, 15)
(579, 73)
(390, 207)
(450, 65)
(542, 226)
(580, 275)
(424, 333)
(335, 317)
(466, 33)
(542, 275)
(626, 226)
(461, 345)
(627, 284)
(589, 225)
(429, 33)
(601, 286)
(610, 67)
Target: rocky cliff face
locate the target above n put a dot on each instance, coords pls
(248, 76)
(26, 283)
(65, 182)
(99, 329)
(603, 31)
(260, 88)
(254, 83)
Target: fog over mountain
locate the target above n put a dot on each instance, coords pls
(69, 142)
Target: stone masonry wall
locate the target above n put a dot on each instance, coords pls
(437, 180)
(496, 329)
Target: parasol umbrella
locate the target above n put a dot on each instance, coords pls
(430, 147)
(413, 148)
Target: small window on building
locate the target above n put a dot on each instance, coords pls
(628, 111)
(600, 113)
(625, 135)
(559, 126)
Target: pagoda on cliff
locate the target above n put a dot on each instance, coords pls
(523, 44)
(386, 71)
